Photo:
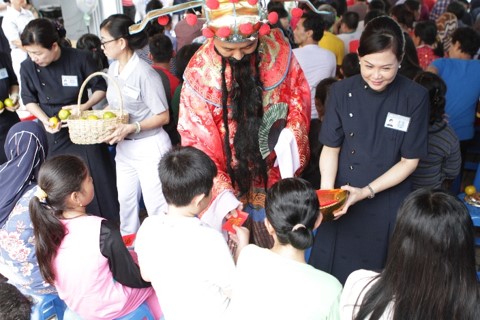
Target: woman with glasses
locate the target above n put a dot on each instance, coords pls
(51, 78)
(142, 142)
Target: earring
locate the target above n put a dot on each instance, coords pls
(400, 66)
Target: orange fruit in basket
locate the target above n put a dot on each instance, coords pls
(109, 115)
(92, 117)
(470, 190)
(331, 200)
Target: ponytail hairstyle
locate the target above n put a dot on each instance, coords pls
(45, 33)
(292, 208)
(58, 178)
(92, 43)
(436, 91)
(117, 26)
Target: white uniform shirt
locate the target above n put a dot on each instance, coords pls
(270, 286)
(142, 92)
(317, 64)
(189, 265)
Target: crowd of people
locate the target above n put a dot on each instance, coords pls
(245, 114)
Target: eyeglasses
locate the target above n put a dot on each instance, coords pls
(103, 43)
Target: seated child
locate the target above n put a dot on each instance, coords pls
(277, 283)
(83, 255)
(432, 247)
(13, 304)
(189, 263)
(443, 162)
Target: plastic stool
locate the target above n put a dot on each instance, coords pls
(141, 313)
(49, 306)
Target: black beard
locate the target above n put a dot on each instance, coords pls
(247, 111)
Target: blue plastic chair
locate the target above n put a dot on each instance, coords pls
(49, 306)
(141, 313)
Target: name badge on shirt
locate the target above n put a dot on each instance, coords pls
(3, 73)
(69, 81)
(397, 122)
(131, 92)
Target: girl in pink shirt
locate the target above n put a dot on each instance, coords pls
(83, 256)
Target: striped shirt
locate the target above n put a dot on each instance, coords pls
(443, 160)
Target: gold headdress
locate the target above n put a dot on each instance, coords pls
(227, 20)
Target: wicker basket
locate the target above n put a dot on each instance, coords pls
(83, 131)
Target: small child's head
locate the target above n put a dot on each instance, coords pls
(321, 95)
(432, 225)
(66, 182)
(349, 22)
(187, 175)
(161, 48)
(91, 42)
(425, 32)
(350, 65)
(436, 91)
(13, 304)
(292, 210)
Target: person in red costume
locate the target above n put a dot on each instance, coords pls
(246, 103)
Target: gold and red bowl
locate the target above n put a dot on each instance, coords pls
(331, 200)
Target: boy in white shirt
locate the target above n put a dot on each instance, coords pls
(189, 263)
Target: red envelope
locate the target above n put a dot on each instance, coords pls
(238, 221)
(129, 239)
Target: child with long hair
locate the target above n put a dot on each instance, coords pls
(285, 287)
(83, 255)
(430, 271)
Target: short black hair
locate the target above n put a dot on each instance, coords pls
(350, 65)
(351, 19)
(186, 172)
(153, 5)
(13, 304)
(457, 9)
(468, 38)
(161, 48)
(376, 5)
(183, 56)
(313, 21)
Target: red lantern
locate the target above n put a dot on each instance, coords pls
(252, 2)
